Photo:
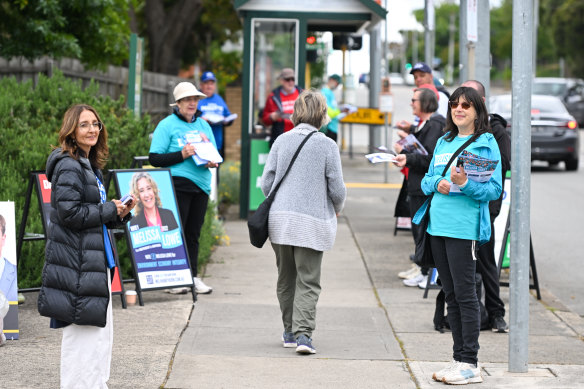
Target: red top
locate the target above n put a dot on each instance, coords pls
(287, 102)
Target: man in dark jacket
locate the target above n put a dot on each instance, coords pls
(487, 264)
(280, 105)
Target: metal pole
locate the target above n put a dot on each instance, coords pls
(450, 69)
(386, 140)
(374, 82)
(520, 198)
(482, 58)
(462, 42)
(429, 25)
(415, 47)
(534, 42)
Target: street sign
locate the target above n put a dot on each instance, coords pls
(365, 116)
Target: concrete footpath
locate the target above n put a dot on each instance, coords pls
(372, 332)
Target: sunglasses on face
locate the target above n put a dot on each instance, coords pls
(454, 105)
(289, 79)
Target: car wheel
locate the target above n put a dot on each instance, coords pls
(572, 164)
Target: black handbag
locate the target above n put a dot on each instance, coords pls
(257, 224)
(423, 255)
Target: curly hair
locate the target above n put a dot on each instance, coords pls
(98, 153)
(134, 188)
(481, 123)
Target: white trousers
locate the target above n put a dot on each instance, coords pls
(86, 353)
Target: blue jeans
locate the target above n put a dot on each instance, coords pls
(457, 270)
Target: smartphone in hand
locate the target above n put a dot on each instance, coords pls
(127, 199)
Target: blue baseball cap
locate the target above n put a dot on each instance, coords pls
(421, 66)
(208, 76)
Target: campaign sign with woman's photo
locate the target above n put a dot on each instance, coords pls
(154, 233)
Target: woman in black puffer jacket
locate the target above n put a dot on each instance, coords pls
(76, 281)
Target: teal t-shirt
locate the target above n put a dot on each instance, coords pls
(169, 137)
(331, 102)
(453, 216)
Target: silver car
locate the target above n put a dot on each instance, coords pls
(554, 132)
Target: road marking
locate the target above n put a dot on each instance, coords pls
(366, 185)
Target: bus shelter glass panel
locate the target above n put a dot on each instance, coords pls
(275, 46)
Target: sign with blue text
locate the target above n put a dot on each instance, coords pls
(155, 236)
(8, 281)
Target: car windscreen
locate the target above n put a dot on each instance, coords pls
(540, 104)
(549, 88)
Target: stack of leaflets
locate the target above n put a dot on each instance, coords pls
(204, 150)
(346, 109)
(380, 157)
(214, 118)
(411, 145)
(477, 168)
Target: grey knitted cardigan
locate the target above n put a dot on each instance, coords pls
(304, 211)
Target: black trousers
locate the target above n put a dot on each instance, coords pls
(487, 266)
(192, 207)
(332, 135)
(457, 270)
(415, 203)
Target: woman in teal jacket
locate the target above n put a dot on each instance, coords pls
(458, 219)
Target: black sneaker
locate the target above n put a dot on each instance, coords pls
(498, 325)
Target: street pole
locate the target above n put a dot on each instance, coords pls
(374, 83)
(428, 32)
(462, 43)
(483, 50)
(522, 68)
(415, 59)
(450, 68)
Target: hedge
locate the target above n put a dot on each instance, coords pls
(30, 119)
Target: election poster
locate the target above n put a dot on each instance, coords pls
(44, 195)
(8, 279)
(155, 235)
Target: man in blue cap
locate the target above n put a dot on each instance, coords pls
(331, 102)
(423, 75)
(214, 109)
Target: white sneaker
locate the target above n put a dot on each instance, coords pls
(414, 281)
(406, 273)
(462, 374)
(437, 376)
(183, 290)
(422, 284)
(200, 286)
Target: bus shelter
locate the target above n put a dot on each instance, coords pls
(274, 38)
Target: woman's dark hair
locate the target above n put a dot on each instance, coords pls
(428, 101)
(481, 123)
(98, 153)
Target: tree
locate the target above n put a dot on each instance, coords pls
(96, 32)
(182, 32)
(565, 18)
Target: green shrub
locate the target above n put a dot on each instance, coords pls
(229, 182)
(30, 119)
(212, 234)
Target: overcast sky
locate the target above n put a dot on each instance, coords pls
(399, 17)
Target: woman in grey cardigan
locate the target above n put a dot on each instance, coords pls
(303, 216)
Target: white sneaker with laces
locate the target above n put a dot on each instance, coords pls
(437, 376)
(200, 286)
(406, 273)
(464, 373)
(422, 284)
(414, 281)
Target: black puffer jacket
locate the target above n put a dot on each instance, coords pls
(74, 279)
(418, 163)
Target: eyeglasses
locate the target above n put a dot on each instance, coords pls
(85, 126)
(414, 100)
(289, 79)
(464, 105)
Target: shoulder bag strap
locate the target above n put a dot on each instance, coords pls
(273, 192)
(468, 142)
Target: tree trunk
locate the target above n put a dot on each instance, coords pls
(168, 31)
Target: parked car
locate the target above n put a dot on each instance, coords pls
(554, 132)
(569, 90)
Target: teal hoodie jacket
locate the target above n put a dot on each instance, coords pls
(485, 146)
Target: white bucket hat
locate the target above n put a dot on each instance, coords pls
(185, 89)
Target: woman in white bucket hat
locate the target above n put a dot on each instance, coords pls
(173, 147)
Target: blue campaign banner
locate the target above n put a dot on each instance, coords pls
(8, 277)
(155, 235)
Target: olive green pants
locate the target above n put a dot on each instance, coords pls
(298, 287)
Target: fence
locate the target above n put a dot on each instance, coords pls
(156, 88)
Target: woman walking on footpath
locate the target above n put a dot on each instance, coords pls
(192, 182)
(76, 278)
(458, 223)
(303, 216)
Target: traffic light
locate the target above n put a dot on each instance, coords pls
(311, 39)
(348, 42)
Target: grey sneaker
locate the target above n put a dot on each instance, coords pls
(498, 325)
(288, 340)
(304, 345)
